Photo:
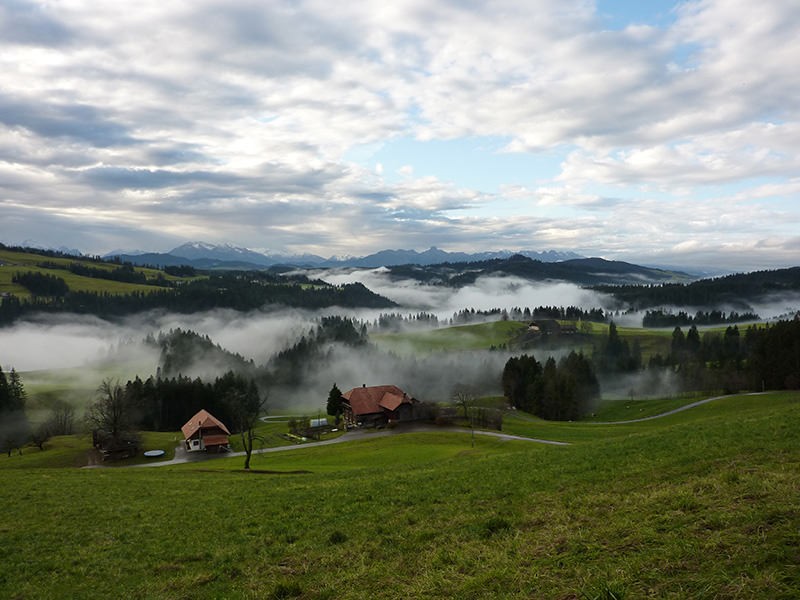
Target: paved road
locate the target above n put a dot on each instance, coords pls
(181, 456)
(670, 412)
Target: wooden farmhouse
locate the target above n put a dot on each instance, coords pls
(205, 432)
(377, 405)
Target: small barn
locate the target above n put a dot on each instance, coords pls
(205, 432)
(377, 405)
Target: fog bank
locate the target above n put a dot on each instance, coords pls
(503, 292)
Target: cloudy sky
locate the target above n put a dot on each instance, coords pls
(657, 132)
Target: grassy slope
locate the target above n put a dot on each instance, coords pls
(12, 262)
(462, 337)
(698, 505)
(497, 333)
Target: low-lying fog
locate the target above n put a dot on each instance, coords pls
(64, 341)
(93, 348)
(486, 293)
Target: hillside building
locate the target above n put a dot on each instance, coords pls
(205, 432)
(377, 405)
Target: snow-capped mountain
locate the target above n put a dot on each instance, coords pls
(433, 256)
(40, 246)
(195, 250)
(227, 256)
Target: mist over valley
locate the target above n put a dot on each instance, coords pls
(88, 349)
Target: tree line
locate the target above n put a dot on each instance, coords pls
(758, 358)
(242, 291)
(665, 318)
(569, 313)
(14, 426)
(41, 284)
(166, 403)
(394, 322)
(125, 273)
(559, 391)
(731, 290)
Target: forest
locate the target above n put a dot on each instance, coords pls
(759, 358)
(240, 291)
(738, 291)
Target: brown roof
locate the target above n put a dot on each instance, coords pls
(202, 420)
(367, 400)
(391, 401)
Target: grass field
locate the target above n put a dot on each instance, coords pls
(701, 504)
(481, 336)
(484, 336)
(12, 262)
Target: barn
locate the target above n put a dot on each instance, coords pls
(205, 432)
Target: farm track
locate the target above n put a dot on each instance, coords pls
(671, 412)
(181, 457)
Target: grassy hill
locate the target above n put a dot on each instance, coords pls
(483, 336)
(701, 504)
(451, 339)
(14, 261)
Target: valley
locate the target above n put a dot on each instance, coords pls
(622, 505)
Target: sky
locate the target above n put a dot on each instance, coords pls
(654, 132)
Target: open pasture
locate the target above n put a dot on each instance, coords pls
(13, 262)
(700, 504)
(481, 336)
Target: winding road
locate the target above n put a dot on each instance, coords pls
(673, 411)
(181, 456)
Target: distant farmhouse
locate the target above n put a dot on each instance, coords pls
(551, 327)
(378, 405)
(205, 432)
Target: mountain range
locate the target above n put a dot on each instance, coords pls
(583, 271)
(203, 255)
(433, 266)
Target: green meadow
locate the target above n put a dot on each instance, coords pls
(12, 261)
(510, 334)
(483, 336)
(462, 337)
(700, 504)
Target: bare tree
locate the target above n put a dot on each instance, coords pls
(62, 418)
(40, 434)
(60, 422)
(465, 400)
(110, 412)
(246, 406)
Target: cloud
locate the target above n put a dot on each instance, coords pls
(22, 22)
(219, 118)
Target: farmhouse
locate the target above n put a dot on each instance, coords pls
(377, 405)
(205, 432)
